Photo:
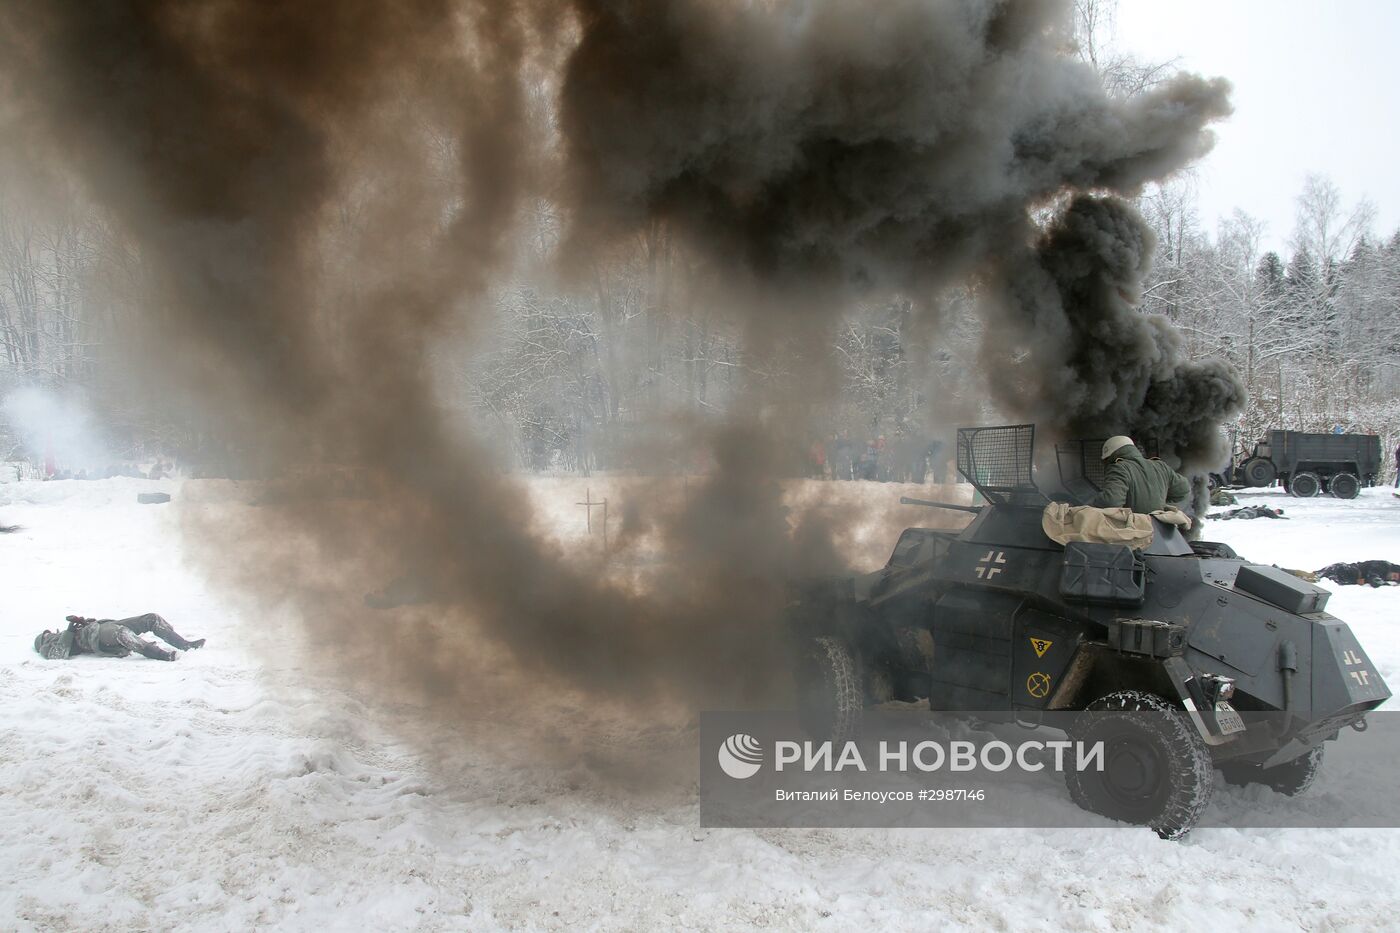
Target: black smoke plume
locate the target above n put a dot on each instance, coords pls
(806, 152)
(829, 143)
(1090, 364)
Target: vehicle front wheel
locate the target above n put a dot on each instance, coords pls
(1290, 778)
(1156, 768)
(830, 699)
(1304, 485)
(1259, 472)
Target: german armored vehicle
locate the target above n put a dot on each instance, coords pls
(999, 617)
(1308, 464)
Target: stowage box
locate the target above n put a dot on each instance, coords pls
(1281, 588)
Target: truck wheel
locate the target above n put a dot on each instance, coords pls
(1304, 485)
(1157, 770)
(1290, 778)
(1345, 486)
(829, 696)
(1259, 472)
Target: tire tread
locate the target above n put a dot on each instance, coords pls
(1191, 795)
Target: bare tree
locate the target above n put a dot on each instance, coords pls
(1094, 27)
(1324, 228)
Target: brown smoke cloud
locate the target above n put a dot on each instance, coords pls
(807, 153)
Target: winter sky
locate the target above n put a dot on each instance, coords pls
(1314, 92)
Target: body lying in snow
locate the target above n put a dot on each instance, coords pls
(1370, 572)
(113, 638)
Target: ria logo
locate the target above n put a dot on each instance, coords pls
(740, 756)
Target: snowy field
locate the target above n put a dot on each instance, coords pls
(237, 788)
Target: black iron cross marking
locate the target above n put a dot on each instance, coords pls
(984, 568)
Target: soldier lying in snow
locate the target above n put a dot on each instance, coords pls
(1250, 511)
(115, 638)
(1370, 572)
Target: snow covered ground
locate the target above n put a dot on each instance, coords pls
(237, 788)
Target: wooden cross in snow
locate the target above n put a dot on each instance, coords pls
(589, 503)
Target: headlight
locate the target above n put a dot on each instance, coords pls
(1218, 688)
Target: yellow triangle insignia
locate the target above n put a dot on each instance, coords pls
(1041, 646)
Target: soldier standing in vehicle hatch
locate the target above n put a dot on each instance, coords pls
(1132, 480)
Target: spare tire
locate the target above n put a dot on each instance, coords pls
(1214, 549)
(1345, 486)
(1259, 472)
(1304, 485)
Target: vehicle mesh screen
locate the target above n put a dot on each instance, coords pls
(997, 460)
(1083, 459)
(1080, 460)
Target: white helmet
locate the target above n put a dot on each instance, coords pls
(1115, 444)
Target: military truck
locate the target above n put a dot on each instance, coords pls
(1197, 659)
(1309, 464)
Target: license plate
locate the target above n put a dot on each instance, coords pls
(1227, 719)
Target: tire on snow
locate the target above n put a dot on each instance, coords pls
(1304, 485)
(1259, 472)
(1290, 778)
(1157, 768)
(829, 694)
(1344, 486)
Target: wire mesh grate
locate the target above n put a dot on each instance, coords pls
(1082, 467)
(1081, 460)
(998, 460)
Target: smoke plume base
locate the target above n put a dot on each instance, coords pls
(803, 154)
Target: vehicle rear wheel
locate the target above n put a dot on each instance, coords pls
(829, 695)
(1156, 768)
(1304, 485)
(1345, 486)
(1259, 472)
(1290, 778)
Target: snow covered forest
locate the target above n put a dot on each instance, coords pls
(567, 380)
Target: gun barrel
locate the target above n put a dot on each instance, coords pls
(905, 500)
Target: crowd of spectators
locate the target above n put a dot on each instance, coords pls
(910, 459)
